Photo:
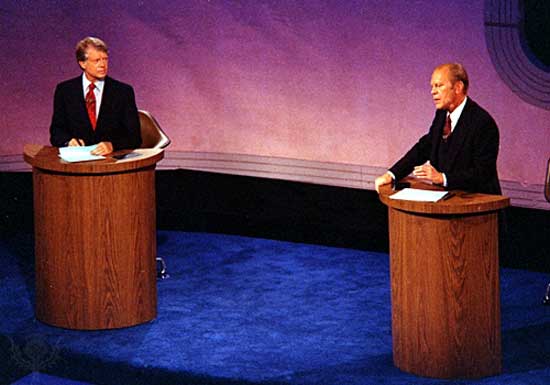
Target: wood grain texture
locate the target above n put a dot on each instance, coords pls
(95, 236)
(445, 287)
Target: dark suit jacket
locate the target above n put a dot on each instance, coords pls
(472, 151)
(117, 122)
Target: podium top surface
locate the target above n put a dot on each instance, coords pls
(47, 158)
(461, 202)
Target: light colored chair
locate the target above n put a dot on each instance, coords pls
(152, 135)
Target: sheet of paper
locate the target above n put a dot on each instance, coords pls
(78, 154)
(413, 194)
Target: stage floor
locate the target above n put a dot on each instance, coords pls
(239, 310)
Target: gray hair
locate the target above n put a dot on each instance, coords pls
(457, 73)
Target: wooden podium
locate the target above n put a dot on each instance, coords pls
(95, 239)
(445, 284)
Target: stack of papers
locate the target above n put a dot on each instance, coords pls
(78, 154)
(413, 194)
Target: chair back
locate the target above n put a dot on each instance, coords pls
(152, 135)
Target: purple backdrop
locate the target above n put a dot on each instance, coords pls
(339, 81)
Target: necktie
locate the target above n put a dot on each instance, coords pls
(447, 128)
(90, 104)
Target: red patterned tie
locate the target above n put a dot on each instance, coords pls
(90, 104)
(447, 128)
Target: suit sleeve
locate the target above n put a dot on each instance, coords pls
(417, 155)
(59, 133)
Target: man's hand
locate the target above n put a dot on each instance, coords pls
(382, 180)
(428, 172)
(103, 148)
(76, 142)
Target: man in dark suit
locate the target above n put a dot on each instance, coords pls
(94, 108)
(461, 148)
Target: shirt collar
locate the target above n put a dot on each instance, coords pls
(455, 115)
(86, 83)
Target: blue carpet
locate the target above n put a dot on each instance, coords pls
(241, 310)
(44, 379)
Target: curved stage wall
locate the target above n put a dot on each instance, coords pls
(320, 91)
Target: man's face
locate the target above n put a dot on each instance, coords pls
(97, 64)
(445, 94)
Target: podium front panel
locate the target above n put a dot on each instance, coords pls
(444, 269)
(445, 294)
(95, 242)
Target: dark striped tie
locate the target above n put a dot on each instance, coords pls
(90, 104)
(447, 128)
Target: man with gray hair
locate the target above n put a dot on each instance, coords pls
(461, 148)
(94, 108)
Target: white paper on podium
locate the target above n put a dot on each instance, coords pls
(414, 194)
(78, 153)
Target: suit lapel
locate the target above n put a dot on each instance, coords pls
(459, 133)
(106, 99)
(436, 136)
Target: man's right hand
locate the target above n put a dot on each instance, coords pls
(76, 142)
(382, 180)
